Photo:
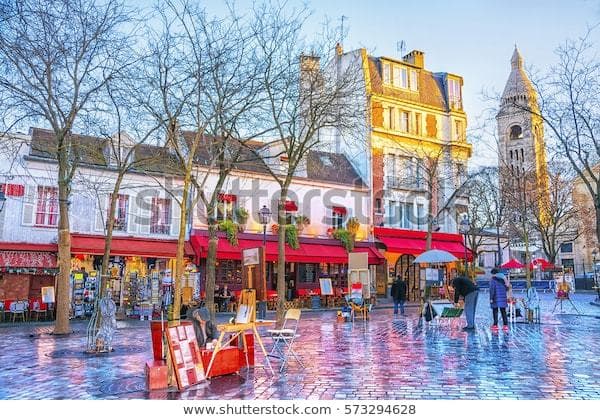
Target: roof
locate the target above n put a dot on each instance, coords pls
(331, 167)
(518, 82)
(431, 90)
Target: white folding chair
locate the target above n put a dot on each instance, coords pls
(283, 339)
(18, 308)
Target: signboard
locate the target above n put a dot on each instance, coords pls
(48, 294)
(185, 355)
(251, 256)
(326, 288)
(358, 260)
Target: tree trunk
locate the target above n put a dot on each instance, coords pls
(179, 268)
(281, 281)
(597, 208)
(527, 261)
(110, 226)
(499, 256)
(63, 300)
(211, 262)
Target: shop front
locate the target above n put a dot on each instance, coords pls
(402, 246)
(24, 270)
(140, 275)
(305, 266)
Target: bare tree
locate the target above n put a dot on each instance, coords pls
(56, 57)
(305, 95)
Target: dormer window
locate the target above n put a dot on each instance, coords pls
(401, 77)
(454, 93)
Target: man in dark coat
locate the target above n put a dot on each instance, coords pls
(467, 289)
(399, 294)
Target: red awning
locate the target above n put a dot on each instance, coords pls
(512, 264)
(331, 252)
(540, 263)
(27, 259)
(127, 246)
(290, 205)
(414, 242)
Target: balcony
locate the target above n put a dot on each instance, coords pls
(401, 183)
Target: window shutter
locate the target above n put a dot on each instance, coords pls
(175, 217)
(101, 213)
(145, 214)
(29, 204)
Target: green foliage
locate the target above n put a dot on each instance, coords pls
(291, 236)
(241, 215)
(353, 225)
(345, 237)
(231, 230)
(302, 220)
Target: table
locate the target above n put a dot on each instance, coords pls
(238, 330)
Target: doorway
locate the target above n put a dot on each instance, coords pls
(410, 274)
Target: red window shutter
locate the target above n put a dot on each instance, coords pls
(341, 211)
(226, 198)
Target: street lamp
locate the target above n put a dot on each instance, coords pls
(464, 228)
(2, 200)
(264, 215)
(596, 283)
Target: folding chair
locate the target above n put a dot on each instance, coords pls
(283, 339)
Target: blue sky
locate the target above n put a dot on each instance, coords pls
(471, 38)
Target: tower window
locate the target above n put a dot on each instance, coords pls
(516, 132)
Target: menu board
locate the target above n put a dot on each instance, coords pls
(185, 355)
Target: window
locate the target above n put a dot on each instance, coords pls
(460, 175)
(397, 76)
(408, 215)
(459, 130)
(47, 206)
(386, 73)
(338, 215)
(454, 94)
(422, 219)
(418, 122)
(516, 132)
(391, 115)
(225, 206)
(291, 208)
(414, 84)
(403, 78)
(404, 121)
(378, 208)
(160, 221)
(566, 247)
(121, 213)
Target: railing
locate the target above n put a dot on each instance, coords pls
(405, 183)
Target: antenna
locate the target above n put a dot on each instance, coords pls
(401, 47)
(342, 36)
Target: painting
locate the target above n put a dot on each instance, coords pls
(326, 288)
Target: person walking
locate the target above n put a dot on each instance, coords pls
(399, 294)
(468, 290)
(498, 300)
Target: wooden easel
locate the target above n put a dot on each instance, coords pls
(247, 300)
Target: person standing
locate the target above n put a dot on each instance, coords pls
(399, 294)
(498, 300)
(467, 289)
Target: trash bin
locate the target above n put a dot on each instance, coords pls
(315, 302)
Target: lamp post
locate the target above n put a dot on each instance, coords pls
(2, 200)
(596, 283)
(464, 228)
(264, 215)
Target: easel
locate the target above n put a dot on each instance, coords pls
(562, 294)
(428, 300)
(247, 302)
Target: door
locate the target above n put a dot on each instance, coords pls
(410, 274)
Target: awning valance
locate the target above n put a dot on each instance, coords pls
(323, 251)
(127, 246)
(27, 259)
(414, 242)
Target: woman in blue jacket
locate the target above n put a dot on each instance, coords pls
(498, 299)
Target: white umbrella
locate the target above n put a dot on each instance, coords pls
(435, 256)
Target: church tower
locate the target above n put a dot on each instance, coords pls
(521, 149)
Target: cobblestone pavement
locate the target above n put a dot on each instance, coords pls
(388, 357)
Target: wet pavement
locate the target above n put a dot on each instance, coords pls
(385, 358)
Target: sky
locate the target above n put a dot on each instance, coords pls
(472, 38)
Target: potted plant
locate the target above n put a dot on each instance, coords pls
(241, 215)
(345, 237)
(330, 232)
(231, 229)
(291, 236)
(274, 228)
(301, 222)
(352, 226)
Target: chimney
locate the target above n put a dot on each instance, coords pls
(416, 58)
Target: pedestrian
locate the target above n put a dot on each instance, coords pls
(499, 300)
(399, 294)
(467, 289)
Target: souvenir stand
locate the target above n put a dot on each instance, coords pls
(90, 292)
(432, 281)
(77, 293)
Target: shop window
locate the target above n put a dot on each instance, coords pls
(229, 272)
(307, 273)
(338, 214)
(47, 206)
(121, 211)
(226, 206)
(160, 221)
